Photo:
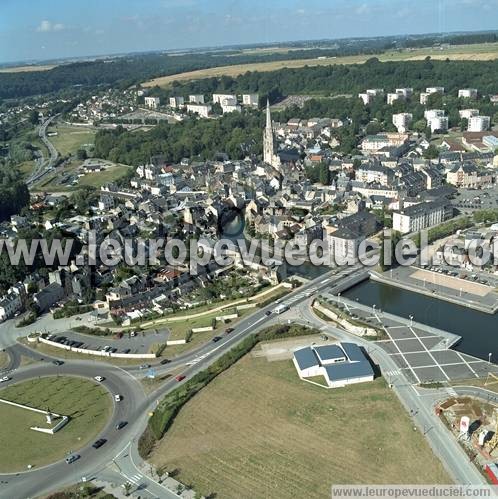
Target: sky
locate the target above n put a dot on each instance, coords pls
(48, 29)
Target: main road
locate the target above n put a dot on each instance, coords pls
(118, 460)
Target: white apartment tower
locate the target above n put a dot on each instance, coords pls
(479, 123)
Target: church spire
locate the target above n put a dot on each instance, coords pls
(268, 115)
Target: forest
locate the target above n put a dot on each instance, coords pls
(351, 79)
(236, 134)
(14, 194)
(124, 71)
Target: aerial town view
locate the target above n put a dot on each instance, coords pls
(248, 250)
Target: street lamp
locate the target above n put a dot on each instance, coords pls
(338, 298)
(489, 357)
(411, 320)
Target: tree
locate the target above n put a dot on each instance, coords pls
(33, 117)
(81, 154)
(431, 152)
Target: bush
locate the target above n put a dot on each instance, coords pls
(146, 442)
(26, 321)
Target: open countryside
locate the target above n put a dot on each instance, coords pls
(482, 52)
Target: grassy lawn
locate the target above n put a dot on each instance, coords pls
(87, 404)
(4, 359)
(484, 51)
(98, 179)
(258, 431)
(71, 138)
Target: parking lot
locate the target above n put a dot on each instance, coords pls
(133, 343)
(421, 355)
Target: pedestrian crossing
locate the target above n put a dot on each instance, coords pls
(135, 479)
(392, 373)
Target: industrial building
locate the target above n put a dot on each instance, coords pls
(340, 364)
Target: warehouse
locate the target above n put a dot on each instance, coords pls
(340, 364)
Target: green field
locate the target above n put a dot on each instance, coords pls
(483, 52)
(258, 431)
(71, 138)
(87, 404)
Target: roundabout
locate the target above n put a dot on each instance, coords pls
(84, 404)
(16, 479)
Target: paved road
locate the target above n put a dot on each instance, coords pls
(118, 460)
(119, 455)
(420, 408)
(44, 166)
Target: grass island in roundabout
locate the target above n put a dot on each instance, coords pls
(87, 405)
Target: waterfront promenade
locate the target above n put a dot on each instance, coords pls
(441, 286)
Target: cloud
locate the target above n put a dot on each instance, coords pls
(47, 26)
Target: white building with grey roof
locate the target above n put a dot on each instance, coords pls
(340, 364)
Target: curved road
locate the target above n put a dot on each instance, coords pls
(118, 460)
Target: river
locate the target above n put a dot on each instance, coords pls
(479, 331)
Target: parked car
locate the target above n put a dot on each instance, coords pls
(127, 350)
(73, 457)
(99, 443)
(5, 378)
(229, 330)
(121, 424)
(180, 377)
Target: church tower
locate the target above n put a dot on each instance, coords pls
(269, 155)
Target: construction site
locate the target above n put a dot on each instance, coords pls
(474, 423)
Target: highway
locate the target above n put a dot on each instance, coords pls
(118, 460)
(44, 166)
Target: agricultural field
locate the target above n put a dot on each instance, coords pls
(71, 138)
(28, 69)
(87, 404)
(258, 431)
(483, 52)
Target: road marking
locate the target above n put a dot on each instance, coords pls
(402, 355)
(467, 364)
(432, 356)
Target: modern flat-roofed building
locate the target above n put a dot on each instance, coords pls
(424, 96)
(478, 123)
(420, 216)
(468, 93)
(402, 121)
(468, 113)
(196, 99)
(152, 102)
(219, 98)
(202, 110)
(438, 124)
(340, 364)
(176, 102)
(250, 100)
